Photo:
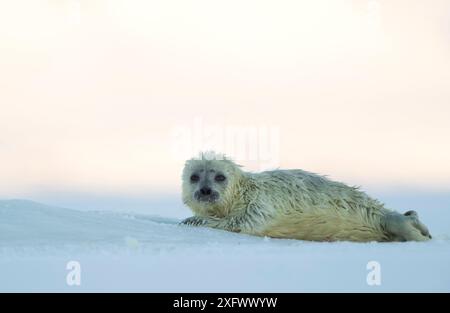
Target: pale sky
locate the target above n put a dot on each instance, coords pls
(91, 91)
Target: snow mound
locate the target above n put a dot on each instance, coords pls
(135, 252)
(27, 225)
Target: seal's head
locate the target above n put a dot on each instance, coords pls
(208, 183)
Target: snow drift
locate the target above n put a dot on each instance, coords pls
(136, 252)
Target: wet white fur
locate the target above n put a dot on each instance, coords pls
(287, 204)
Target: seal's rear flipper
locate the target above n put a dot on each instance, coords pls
(417, 223)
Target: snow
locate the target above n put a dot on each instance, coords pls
(123, 251)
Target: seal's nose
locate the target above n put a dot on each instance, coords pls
(205, 191)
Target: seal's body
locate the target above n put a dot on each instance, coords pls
(289, 204)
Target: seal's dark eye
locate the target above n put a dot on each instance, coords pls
(219, 178)
(195, 178)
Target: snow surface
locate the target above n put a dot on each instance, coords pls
(135, 252)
